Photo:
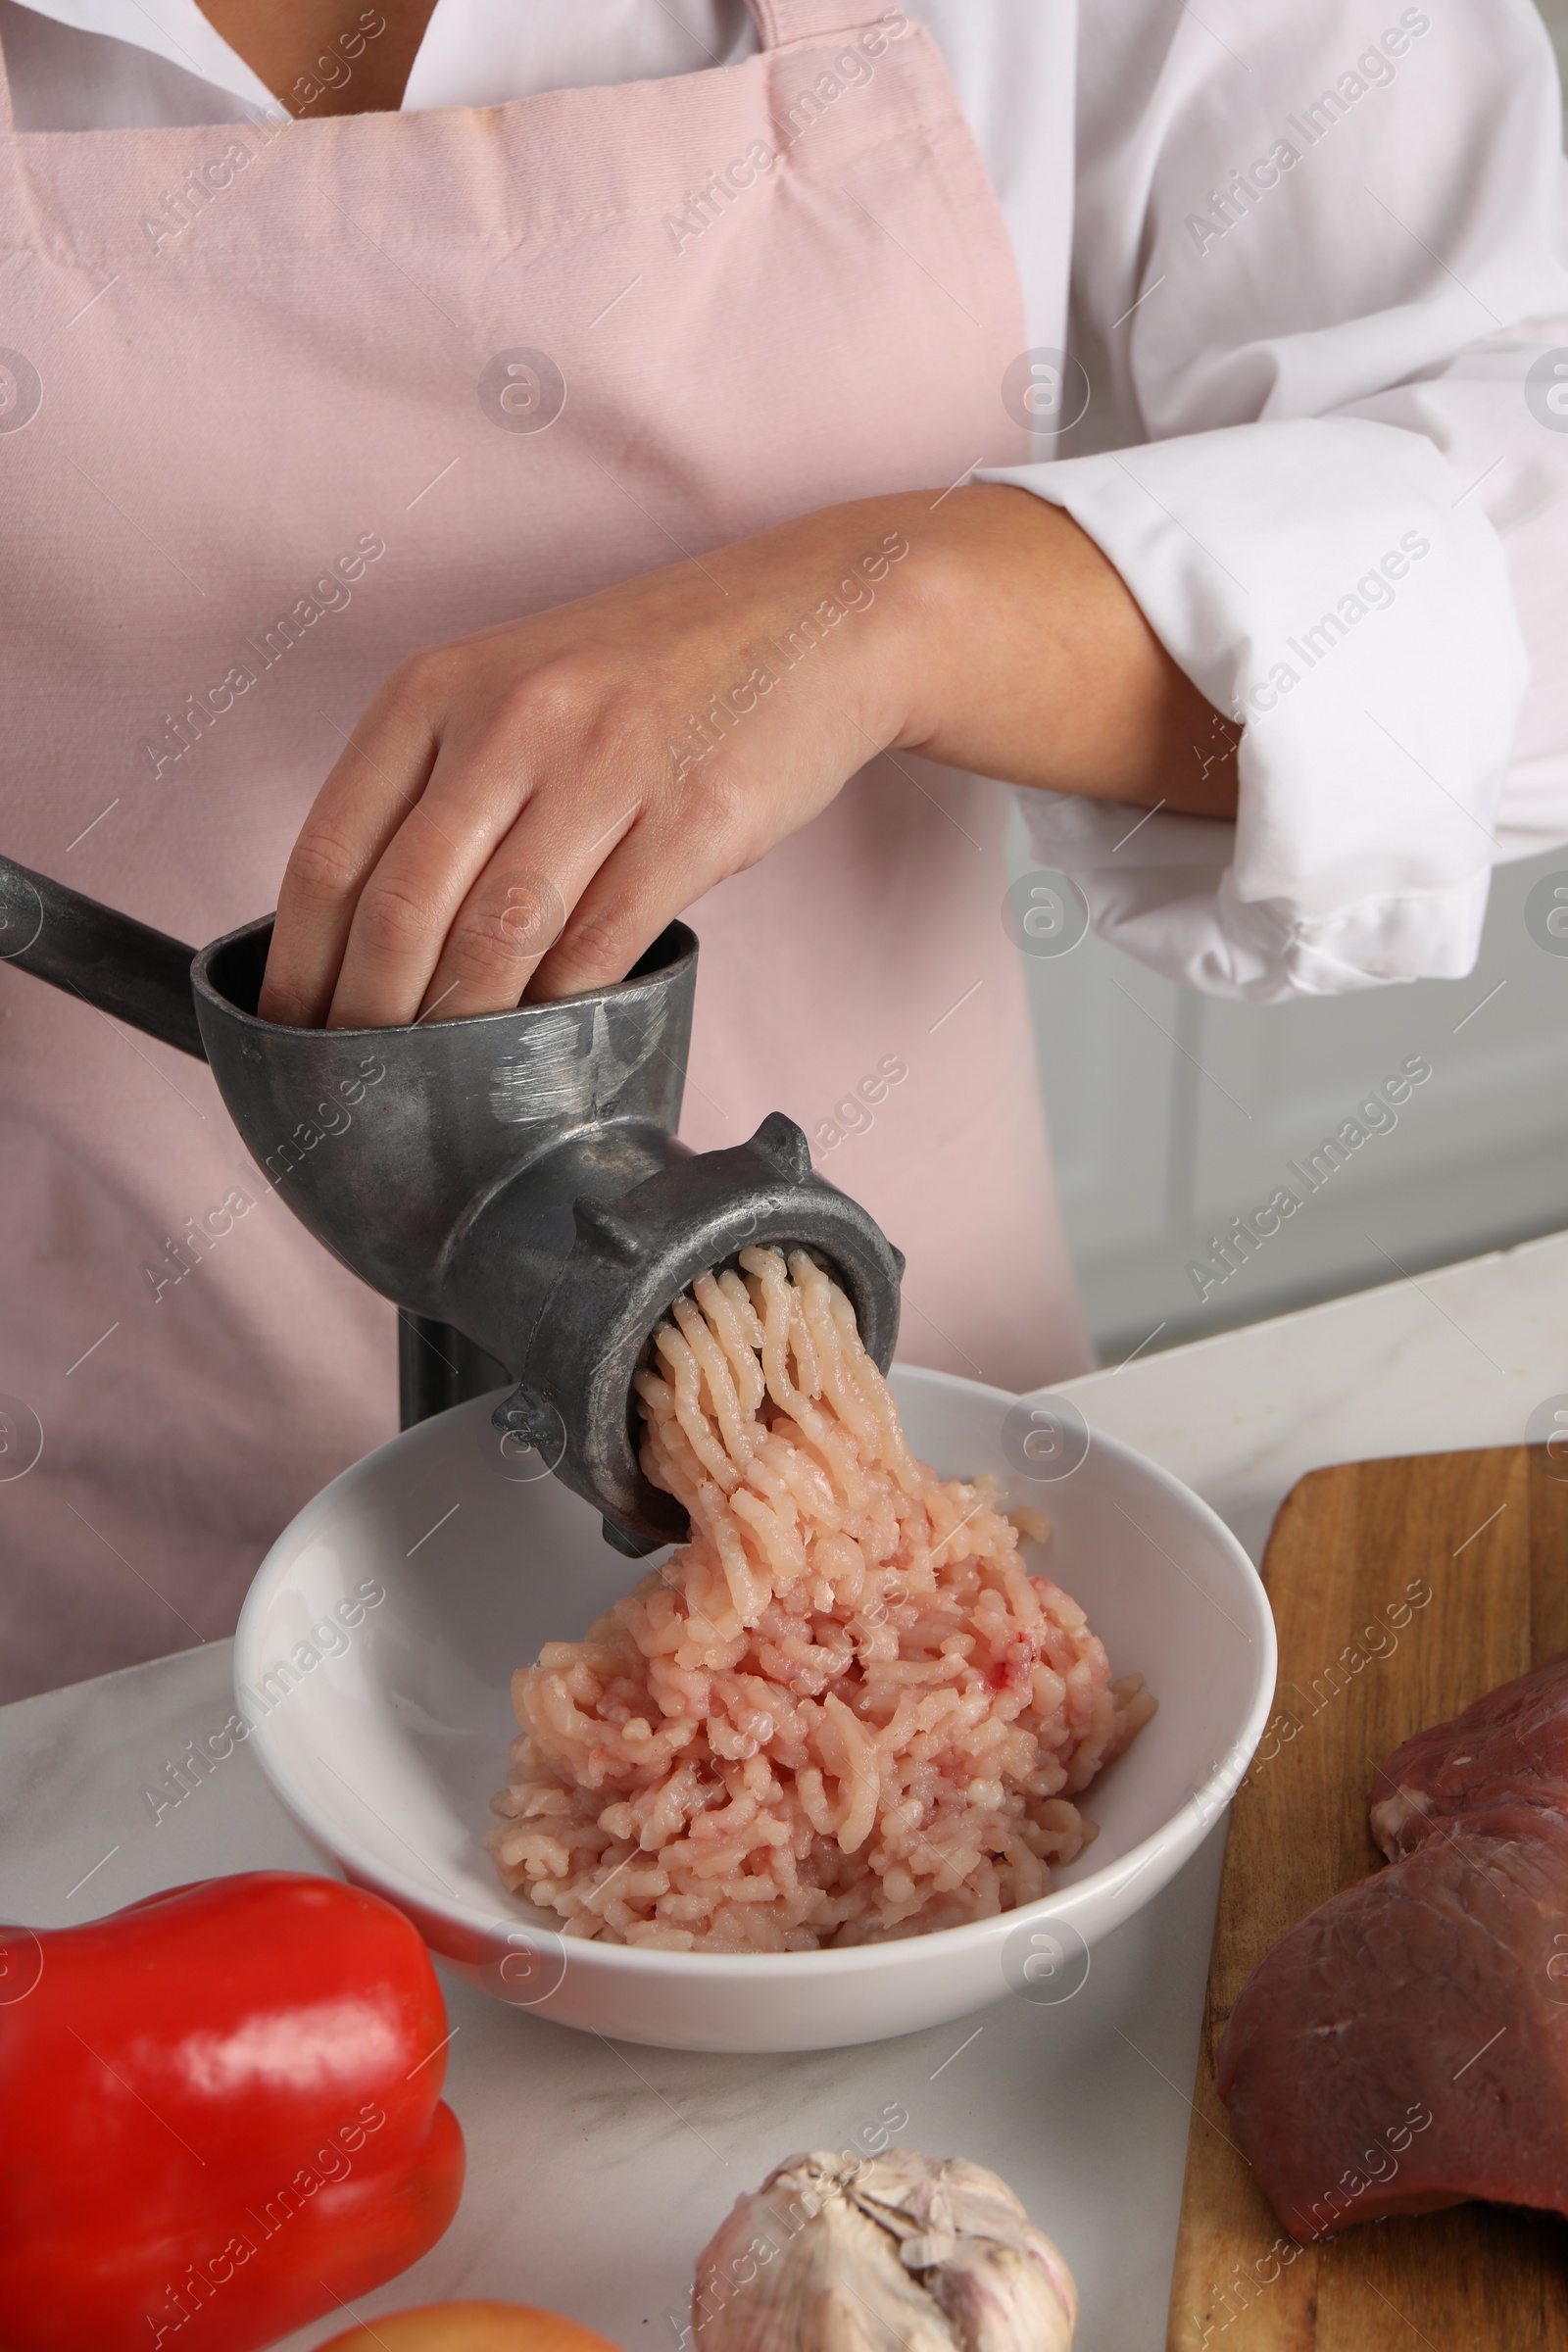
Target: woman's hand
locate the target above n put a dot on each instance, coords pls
(528, 808)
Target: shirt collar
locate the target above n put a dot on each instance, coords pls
(172, 29)
(474, 52)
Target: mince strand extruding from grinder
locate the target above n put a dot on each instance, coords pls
(845, 1711)
(515, 1176)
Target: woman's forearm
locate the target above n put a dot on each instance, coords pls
(1010, 646)
(1033, 662)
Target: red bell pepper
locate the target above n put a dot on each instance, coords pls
(220, 2117)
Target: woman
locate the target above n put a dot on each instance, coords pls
(685, 373)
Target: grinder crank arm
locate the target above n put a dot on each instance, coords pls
(109, 959)
(143, 977)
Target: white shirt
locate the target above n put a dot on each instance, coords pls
(1315, 252)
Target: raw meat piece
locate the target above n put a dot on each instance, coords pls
(1511, 1744)
(1407, 2046)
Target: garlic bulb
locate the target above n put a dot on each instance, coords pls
(894, 2253)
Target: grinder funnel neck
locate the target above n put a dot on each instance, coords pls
(518, 1176)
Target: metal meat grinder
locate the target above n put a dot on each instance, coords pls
(514, 1183)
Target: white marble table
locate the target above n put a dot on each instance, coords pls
(597, 2171)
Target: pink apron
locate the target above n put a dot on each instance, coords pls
(279, 405)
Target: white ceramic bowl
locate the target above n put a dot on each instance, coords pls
(374, 1654)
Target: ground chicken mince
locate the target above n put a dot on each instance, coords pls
(845, 1710)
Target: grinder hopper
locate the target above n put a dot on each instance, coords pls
(515, 1177)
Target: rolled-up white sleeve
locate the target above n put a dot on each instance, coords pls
(1321, 249)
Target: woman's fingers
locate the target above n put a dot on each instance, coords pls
(555, 841)
(494, 754)
(605, 852)
(693, 834)
(375, 783)
(405, 910)
(518, 907)
(539, 776)
(583, 882)
(434, 925)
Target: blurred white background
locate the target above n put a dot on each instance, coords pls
(1171, 1113)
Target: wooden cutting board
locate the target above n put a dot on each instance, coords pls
(1365, 1661)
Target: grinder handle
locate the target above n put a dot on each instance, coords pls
(121, 967)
